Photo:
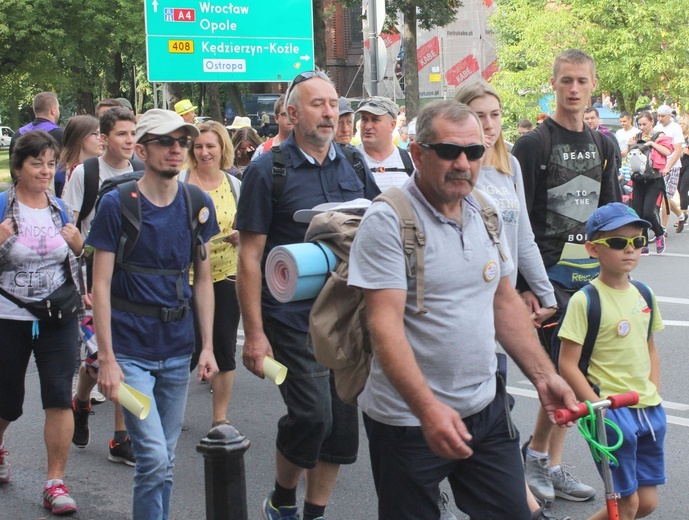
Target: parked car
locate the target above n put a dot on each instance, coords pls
(6, 134)
(255, 105)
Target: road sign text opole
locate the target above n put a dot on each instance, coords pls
(215, 40)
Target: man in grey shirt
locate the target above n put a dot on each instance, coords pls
(431, 404)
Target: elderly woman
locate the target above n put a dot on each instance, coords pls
(212, 155)
(39, 305)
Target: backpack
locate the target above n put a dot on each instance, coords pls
(644, 161)
(280, 170)
(64, 215)
(593, 314)
(91, 181)
(130, 211)
(338, 329)
(406, 161)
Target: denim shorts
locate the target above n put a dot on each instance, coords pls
(642, 456)
(488, 485)
(55, 350)
(318, 425)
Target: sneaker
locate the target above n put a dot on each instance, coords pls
(122, 452)
(81, 435)
(680, 223)
(57, 499)
(571, 488)
(280, 513)
(660, 245)
(443, 501)
(644, 251)
(538, 477)
(545, 514)
(4, 467)
(96, 396)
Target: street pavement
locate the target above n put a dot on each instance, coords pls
(102, 489)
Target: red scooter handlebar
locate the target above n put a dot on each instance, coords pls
(563, 415)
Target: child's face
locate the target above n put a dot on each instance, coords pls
(617, 261)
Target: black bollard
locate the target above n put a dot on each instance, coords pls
(223, 453)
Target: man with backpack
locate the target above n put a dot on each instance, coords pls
(146, 234)
(117, 126)
(319, 432)
(390, 165)
(46, 109)
(434, 406)
(569, 170)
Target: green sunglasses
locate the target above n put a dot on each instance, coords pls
(620, 243)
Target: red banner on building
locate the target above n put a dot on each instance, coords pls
(490, 70)
(428, 52)
(388, 39)
(462, 70)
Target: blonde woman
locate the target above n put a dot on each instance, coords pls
(212, 155)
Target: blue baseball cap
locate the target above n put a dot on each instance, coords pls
(613, 216)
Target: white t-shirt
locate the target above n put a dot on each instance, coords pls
(74, 189)
(381, 169)
(623, 136)
(35, 263)
(672, 130)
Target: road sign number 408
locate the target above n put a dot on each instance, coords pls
(180, 46)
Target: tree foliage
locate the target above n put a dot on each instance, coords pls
(640, 47)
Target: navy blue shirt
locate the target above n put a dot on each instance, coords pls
(163, 243)
(307, 184)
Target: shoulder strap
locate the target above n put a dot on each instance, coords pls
(196, 202)
(491, 219)
(648, 296)
(413, 240)
(544, 131)
(593, 315)
(130, 210)
(235, 195)
(279, 173)
(406, 159)
(3, 205)
(91, 178)
(64, 215)
(598, 139)
(354, 158)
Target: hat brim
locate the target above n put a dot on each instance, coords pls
(168, 128)
(356, 206)
(621, 222)
(374, 110)
(186, 111)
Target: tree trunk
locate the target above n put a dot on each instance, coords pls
(411, 69)
(214, 109)
(319, 47)
(174, 94)
(114, 82)
(235, 97)
(200, 103)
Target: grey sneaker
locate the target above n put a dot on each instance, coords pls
(537, 473)
(445, 514)
(545, 514)
(571, 488)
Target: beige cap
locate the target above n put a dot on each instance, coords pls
(162, 122)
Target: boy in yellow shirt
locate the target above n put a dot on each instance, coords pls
(624, 358)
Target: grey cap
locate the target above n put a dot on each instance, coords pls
(379, 106)
(344, 106)
(162, 122)
(125, 103)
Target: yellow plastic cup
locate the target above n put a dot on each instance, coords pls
(134, 401)
(275, 371)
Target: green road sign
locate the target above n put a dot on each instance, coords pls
(215, 40)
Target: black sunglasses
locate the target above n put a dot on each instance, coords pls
(621, 243)
(306, 75)
(450, 151)
(169, 141)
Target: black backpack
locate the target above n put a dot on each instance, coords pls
(91, 178)
(544, 130)
(130, 210)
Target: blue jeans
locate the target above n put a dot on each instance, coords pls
(154, 439)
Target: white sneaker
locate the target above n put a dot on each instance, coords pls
(96, 396)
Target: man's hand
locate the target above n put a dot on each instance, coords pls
(109, 378)
(554, 393)
(207, 365)
(253, 352)
(445, 432)
(537, 313)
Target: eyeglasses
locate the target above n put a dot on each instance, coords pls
(282, 114)
(97, 135)
(620, 243)
(304, 76)
(450, 151)
(169, 141)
